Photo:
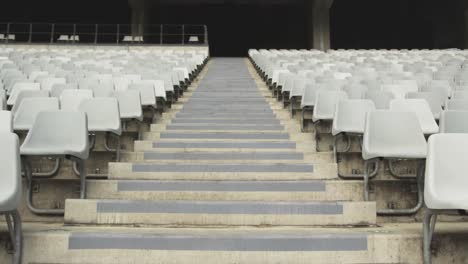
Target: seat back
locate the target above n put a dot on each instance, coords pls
(70, 99)
(325, 104)
(28, 109)
(103, 114)
(454, 122)
(381, 99)
(28, 94)
(148, 97)
(350, 116)
(10, 178)
(435, 100)
(6, 121)
(130, 104)
(393, 134)
(422, 110)
(461, 105)
(446, 166)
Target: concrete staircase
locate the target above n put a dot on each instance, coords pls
(224, 177)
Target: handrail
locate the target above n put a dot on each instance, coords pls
(156, 34)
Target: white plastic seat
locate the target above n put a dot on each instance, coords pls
(103, 91)
(6, 121)
(355, 91)
(422, 110)
(28, 94)
(350, 116)
(18, 87)
(308, 96)
(454, 122)
(381, 99)
(48, 83)
(445, 181)
(399, 90)
(460, 95)
(3, 103)
(28, 109)
(391, 134)
(435, 100)
(70, 99)
(61, 134)
(103, 115)
(130, 105)
(148, 97)
(461, 105)
(11, 190)
(57, 89)
(325, 104)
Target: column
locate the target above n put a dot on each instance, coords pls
(140, 16)
(319, 24)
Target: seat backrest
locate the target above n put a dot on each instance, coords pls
(103, 91)
(48, 83)
(446, 166)
(3, 104)
(28, 94)
(58, 88)
(325, 104)
(6, 121)
(393, 134)
(17, 88)
(381, 99)
(460, 95)
(422, 110)
(64, 130)
(355, 91)
(130, 104)
(454, 122)
(28, 109)
(70, 99)
(461, 104)
(350, 116)
(435, 100)
(147, 94)
(399, 90)
(10, 166)
(103, 114)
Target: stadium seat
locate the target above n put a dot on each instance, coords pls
(393, 135)
(28, 94)
(11, 190)
(325, 104)
(6, 121)
(435, 100)
(461, 104)
(349, 121)
(21, 86)
(70, 99)
(422, 110)
(60, 134)
(26, 113)
(454, 122)
(381, 99)
(445, 182)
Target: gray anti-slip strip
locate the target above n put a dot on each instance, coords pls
(212, 135)
(247, 145)
(229, 168)
(232, 127)
(219, 207)
(223, 156)
(222, 186)
(247, 242)
(224, 115)
(244, 121)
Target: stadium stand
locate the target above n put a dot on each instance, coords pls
(164, 138)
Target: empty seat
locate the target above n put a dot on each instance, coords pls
(350, 116)
(130, 105)
(56, 134)
(435, 100)
(148, 97)
(461, 105)
(48, 83)
(381, 99)
(6, 121)
(454, 122)
(70, 99)
(445, 182)
(399, 90)
(325, 103)
(103, 91)
(460, 95)
(422, 110)
(58, 88)
(18, 87)
(103, 114)
(2, 100)
(28, 109)
(11, 190)
(393, 135)
(28, 94)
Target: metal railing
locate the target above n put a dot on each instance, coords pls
(161, 34)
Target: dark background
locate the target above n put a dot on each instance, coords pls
(235, 27)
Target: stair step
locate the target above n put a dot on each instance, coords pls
(183, 171)
(219, 213)
(225, 190)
